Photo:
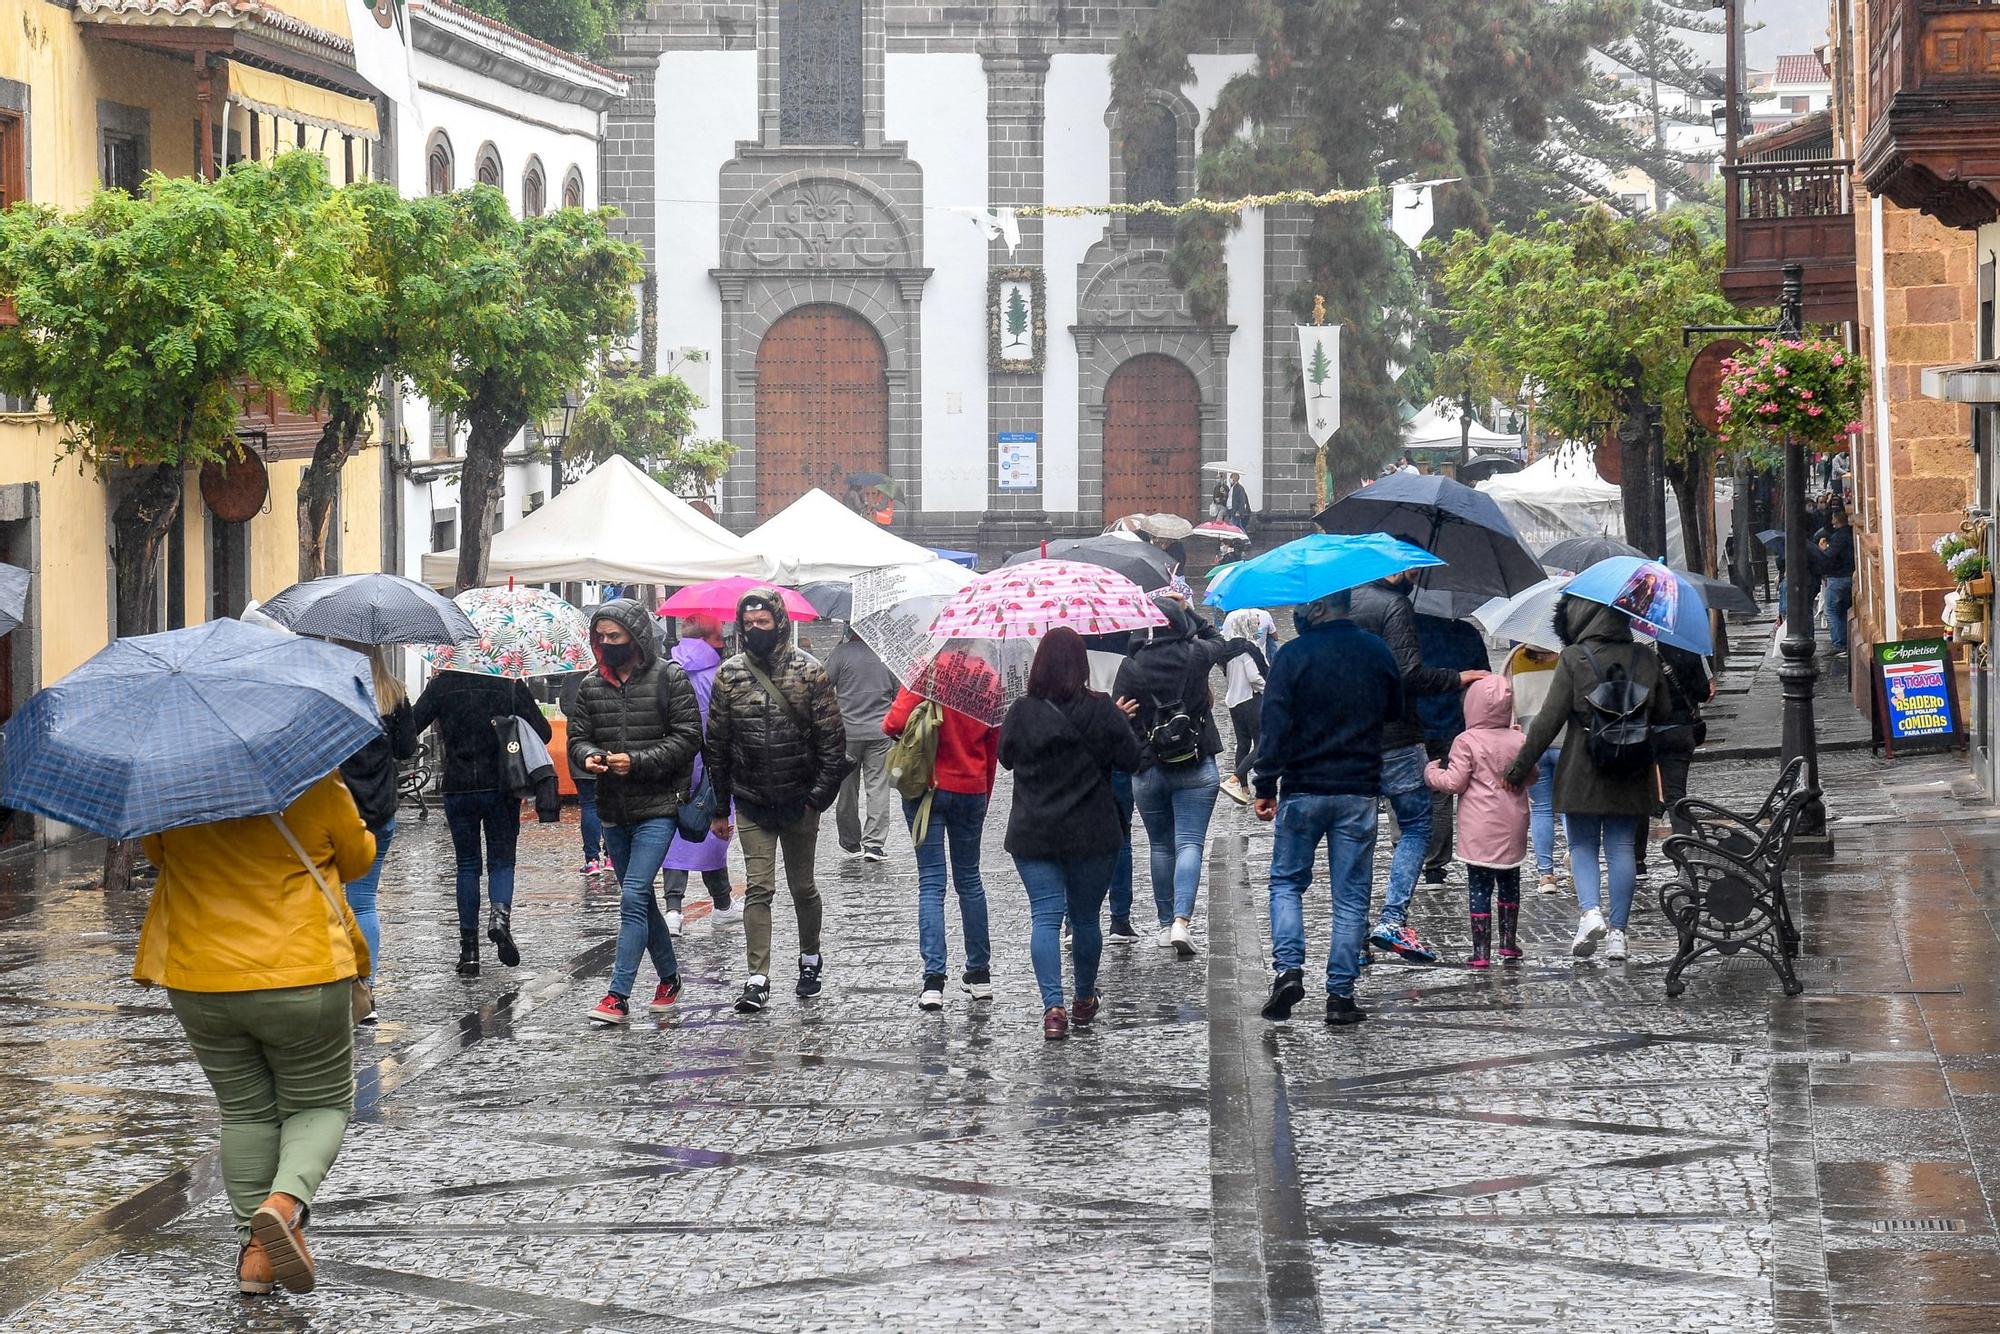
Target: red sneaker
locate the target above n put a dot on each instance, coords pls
(665, 995)
(1085, 1010)
(1055, 1024)
(610, 1010)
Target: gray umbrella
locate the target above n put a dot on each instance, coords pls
(370, 609)
(14, 583)
(1141, 562)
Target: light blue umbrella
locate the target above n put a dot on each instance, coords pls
(1312, 567)
(207, 723)
(1660, 601)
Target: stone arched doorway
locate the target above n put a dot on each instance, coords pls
(1152, 438)
(822, 405)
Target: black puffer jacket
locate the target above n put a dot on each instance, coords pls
(1169, 665)
(371, 773)
(652, 715)
(464, 705)
(756, 755)
(1384, 609)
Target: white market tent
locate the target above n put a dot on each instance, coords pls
(1560, 495)
(616, 525)
(1437, 427)
(824, 539)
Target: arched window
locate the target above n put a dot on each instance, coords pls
(1150, 150)
(534, 190)
(573, 189)
(437, 166)
(488, 170)
(819, 71)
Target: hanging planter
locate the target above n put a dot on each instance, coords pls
(1806, 389)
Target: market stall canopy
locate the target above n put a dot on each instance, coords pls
(1437, 427)
(1560, 495)
(619, 526)
(824, 539)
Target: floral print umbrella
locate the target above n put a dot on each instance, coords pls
(522, 632)
(1027, 601)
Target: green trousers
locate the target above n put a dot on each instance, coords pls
(282, 1066)
(761, 846)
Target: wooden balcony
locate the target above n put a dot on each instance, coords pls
(1781, 213)
(1934, 97)
(285, 432)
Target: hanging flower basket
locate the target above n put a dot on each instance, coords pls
(1806, 389)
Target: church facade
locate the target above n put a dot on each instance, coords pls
(817, 186)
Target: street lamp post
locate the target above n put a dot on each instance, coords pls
(1798, 674)
(554, 427)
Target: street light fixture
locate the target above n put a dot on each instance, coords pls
(554, 428)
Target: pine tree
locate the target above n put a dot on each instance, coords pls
(1017, 317)
(1318, 369)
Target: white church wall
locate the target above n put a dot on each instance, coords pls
(1077, 148)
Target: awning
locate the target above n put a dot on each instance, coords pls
(1969, 382)
(275, 95)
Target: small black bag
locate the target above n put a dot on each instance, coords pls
(1175, 738)
(1618, 737)
(693, 816)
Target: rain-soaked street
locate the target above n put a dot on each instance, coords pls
(1554, 1147)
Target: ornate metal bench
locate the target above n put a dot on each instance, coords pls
(417, 773)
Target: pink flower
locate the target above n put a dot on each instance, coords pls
(1815, 410)
(1854, 428)
(1805, 393)
(1839, 359)
(1781, 372)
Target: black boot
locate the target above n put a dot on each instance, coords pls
(1482, 940)
(468, 952)
(499, 930)
(1341, 1011)
(1509, 911)
(1287, 990)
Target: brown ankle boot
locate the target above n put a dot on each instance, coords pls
(253, 1270)
(278, 1226)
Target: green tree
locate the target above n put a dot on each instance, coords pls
(1589, 313)
(1017, 316)
(1318, 369)
(583, 26)
(139, 314)
(1352, 94)
(648, 419)
(521, 308)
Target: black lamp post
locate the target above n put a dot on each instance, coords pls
(554, 427)
(1798, 673)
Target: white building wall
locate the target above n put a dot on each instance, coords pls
(706, 102)
(937, 104)
(1077, 170)
(1244, 254)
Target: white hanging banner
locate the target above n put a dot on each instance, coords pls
(1411, 215)
(1319, 364)
(382, 52)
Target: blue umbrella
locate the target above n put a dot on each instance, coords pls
(207, 723)
(1312, 567)
(370, 609)
(1482, 555)
(1660, 601)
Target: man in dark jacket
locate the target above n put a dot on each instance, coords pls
(777, 748)
(1327, 698)
(1833, 562)
(1383, 608)
(635, 727)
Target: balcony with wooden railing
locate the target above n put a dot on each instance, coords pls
(1933, 141)
(1781, 213)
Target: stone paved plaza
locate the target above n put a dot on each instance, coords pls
(1552, 1147)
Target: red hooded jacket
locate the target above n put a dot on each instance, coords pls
(968, 750)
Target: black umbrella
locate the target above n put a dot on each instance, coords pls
(1141, 562)
(14, 583)
(1484, 559)
(831, 598)
(370, 609)
(1774, 541)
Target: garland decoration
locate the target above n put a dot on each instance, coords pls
(1212, 208)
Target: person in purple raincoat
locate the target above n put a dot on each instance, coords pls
(699, 654)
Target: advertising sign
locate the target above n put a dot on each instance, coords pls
(1916, 696)
(1018, 457)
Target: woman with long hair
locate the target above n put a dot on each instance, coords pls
(1062, 742)
(374, 777)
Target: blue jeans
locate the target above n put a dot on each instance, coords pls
(1121, 869)
(1839, 597)
(1176, 805)
(361, 896)
(636, 852)
(593, 828)
(1347, 825)
(1542, 812)
(957, 818)
(1410, 803)
(1612, 836)
(495, 817)
(1073, 885)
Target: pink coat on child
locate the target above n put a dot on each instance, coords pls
(1492, 817)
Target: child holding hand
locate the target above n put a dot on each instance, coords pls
(1492, 816)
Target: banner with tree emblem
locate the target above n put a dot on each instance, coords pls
(1016, 326)
(1319, 365)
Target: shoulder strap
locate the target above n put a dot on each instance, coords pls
(307, 862)
(776, 697)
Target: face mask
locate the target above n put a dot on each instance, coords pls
(761, 642)
(618, 655)
(1299, 622)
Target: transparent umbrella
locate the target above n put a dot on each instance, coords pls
(892, 613)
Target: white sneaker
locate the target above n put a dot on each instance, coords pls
(674, 923)
(1614, 947)
(1181, 939)
(1164, 937)
(733, 913)
(1548, 885)
(931, 998)
(1589, 930)
(874, 855)
(1234, 791)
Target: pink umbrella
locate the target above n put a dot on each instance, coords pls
(718, 598)
(1027, 601)
(1216, 528)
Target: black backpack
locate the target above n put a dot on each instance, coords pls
(1175, 738)
(1618, 736)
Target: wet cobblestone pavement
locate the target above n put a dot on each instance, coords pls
(1551, 1147)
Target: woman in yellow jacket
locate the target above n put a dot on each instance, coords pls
(258, 963)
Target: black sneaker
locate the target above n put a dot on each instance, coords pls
(1121, 932)
(1287, 990)
(808, 979)
(1341, 1011)
(756, 995)
(932, 996)
(978, 983)
(1435, 875)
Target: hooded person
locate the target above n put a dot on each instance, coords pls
(636, 727)
(777, 748)
(1492, 815)
(1601, 809)
(699, 654)
(1174, 789)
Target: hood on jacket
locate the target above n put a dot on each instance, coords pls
(768, 599)
(1578, 619)
(1489, 702)
(1180, 623)
(696, 656)
(636, 622)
